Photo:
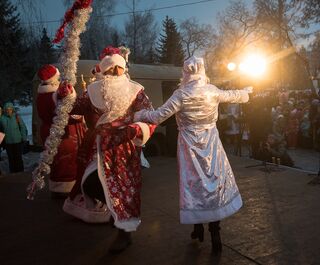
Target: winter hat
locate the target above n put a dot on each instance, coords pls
(96, 69)
(194, 65)
(48, 73)
(193, 70)
(8, 105)
(112, 61)
(111, 57)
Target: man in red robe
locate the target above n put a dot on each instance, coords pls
(109, 174)
(64, 166)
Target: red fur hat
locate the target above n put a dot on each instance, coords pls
(48, 72)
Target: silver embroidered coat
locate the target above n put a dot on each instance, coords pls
(208, 191)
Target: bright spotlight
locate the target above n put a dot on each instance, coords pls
(231, 66)
(254, 65)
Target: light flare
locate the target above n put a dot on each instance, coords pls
(254, 65)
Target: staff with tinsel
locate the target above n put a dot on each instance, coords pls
(74, 21)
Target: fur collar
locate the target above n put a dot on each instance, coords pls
(47, 88)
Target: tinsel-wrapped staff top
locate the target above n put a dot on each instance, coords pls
(68, 17)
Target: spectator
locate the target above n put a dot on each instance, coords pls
(276, 112)
(277, 149)
(305, 126)
(259, 121)
(292, 129)
(15, 134)
(233, 131)
(313, 115)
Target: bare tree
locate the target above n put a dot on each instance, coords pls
(278, 21)
(315, 55)
(236, 31)
(195, 36)
(140, 35)
(310, 10)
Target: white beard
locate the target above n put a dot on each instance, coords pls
(113, 95)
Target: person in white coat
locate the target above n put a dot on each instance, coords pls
(208, 191)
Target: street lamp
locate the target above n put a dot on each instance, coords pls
(231, 66)
(254, 65)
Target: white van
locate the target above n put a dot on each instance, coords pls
(159, 82)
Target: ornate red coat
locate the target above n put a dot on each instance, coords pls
(108, 149)
(64, 166)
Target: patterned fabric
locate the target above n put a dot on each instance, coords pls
(121, 158)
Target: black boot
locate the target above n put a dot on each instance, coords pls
(122, 241)
(214, 229)
(198, 232)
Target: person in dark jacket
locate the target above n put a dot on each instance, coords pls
(15, 134)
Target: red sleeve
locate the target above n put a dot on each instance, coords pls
(82, 104)
(142, 102)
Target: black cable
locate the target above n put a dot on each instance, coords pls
(129, 12)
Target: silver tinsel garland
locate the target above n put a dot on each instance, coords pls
(68, 61)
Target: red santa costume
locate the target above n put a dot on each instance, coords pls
(64, 166)
(110, 155)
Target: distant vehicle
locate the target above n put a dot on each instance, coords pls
(159, 82)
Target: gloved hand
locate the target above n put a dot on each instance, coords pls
(65, 89)
(248, 89)
(115, 137)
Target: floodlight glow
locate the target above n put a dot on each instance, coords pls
(254, 65)
(231, 66)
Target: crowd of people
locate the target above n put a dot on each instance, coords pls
(272, 123)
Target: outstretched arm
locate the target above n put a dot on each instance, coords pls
(170, 107)
(235, 96)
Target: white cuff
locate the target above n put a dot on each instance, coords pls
(145, 134)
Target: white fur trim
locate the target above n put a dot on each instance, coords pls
(111, 61)
(64, 187)
(55, 98)
(205, 216)
(47, 88)
(83, 213)
(145, 134)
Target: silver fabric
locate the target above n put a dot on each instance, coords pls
(206, 178)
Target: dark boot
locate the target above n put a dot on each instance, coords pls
(198, 232)
(122, 241)
(214, 229)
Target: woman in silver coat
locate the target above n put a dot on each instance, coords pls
(208, 191)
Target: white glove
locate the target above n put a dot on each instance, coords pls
(248, 89)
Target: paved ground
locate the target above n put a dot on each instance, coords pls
(305, 159)
(279, 224)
